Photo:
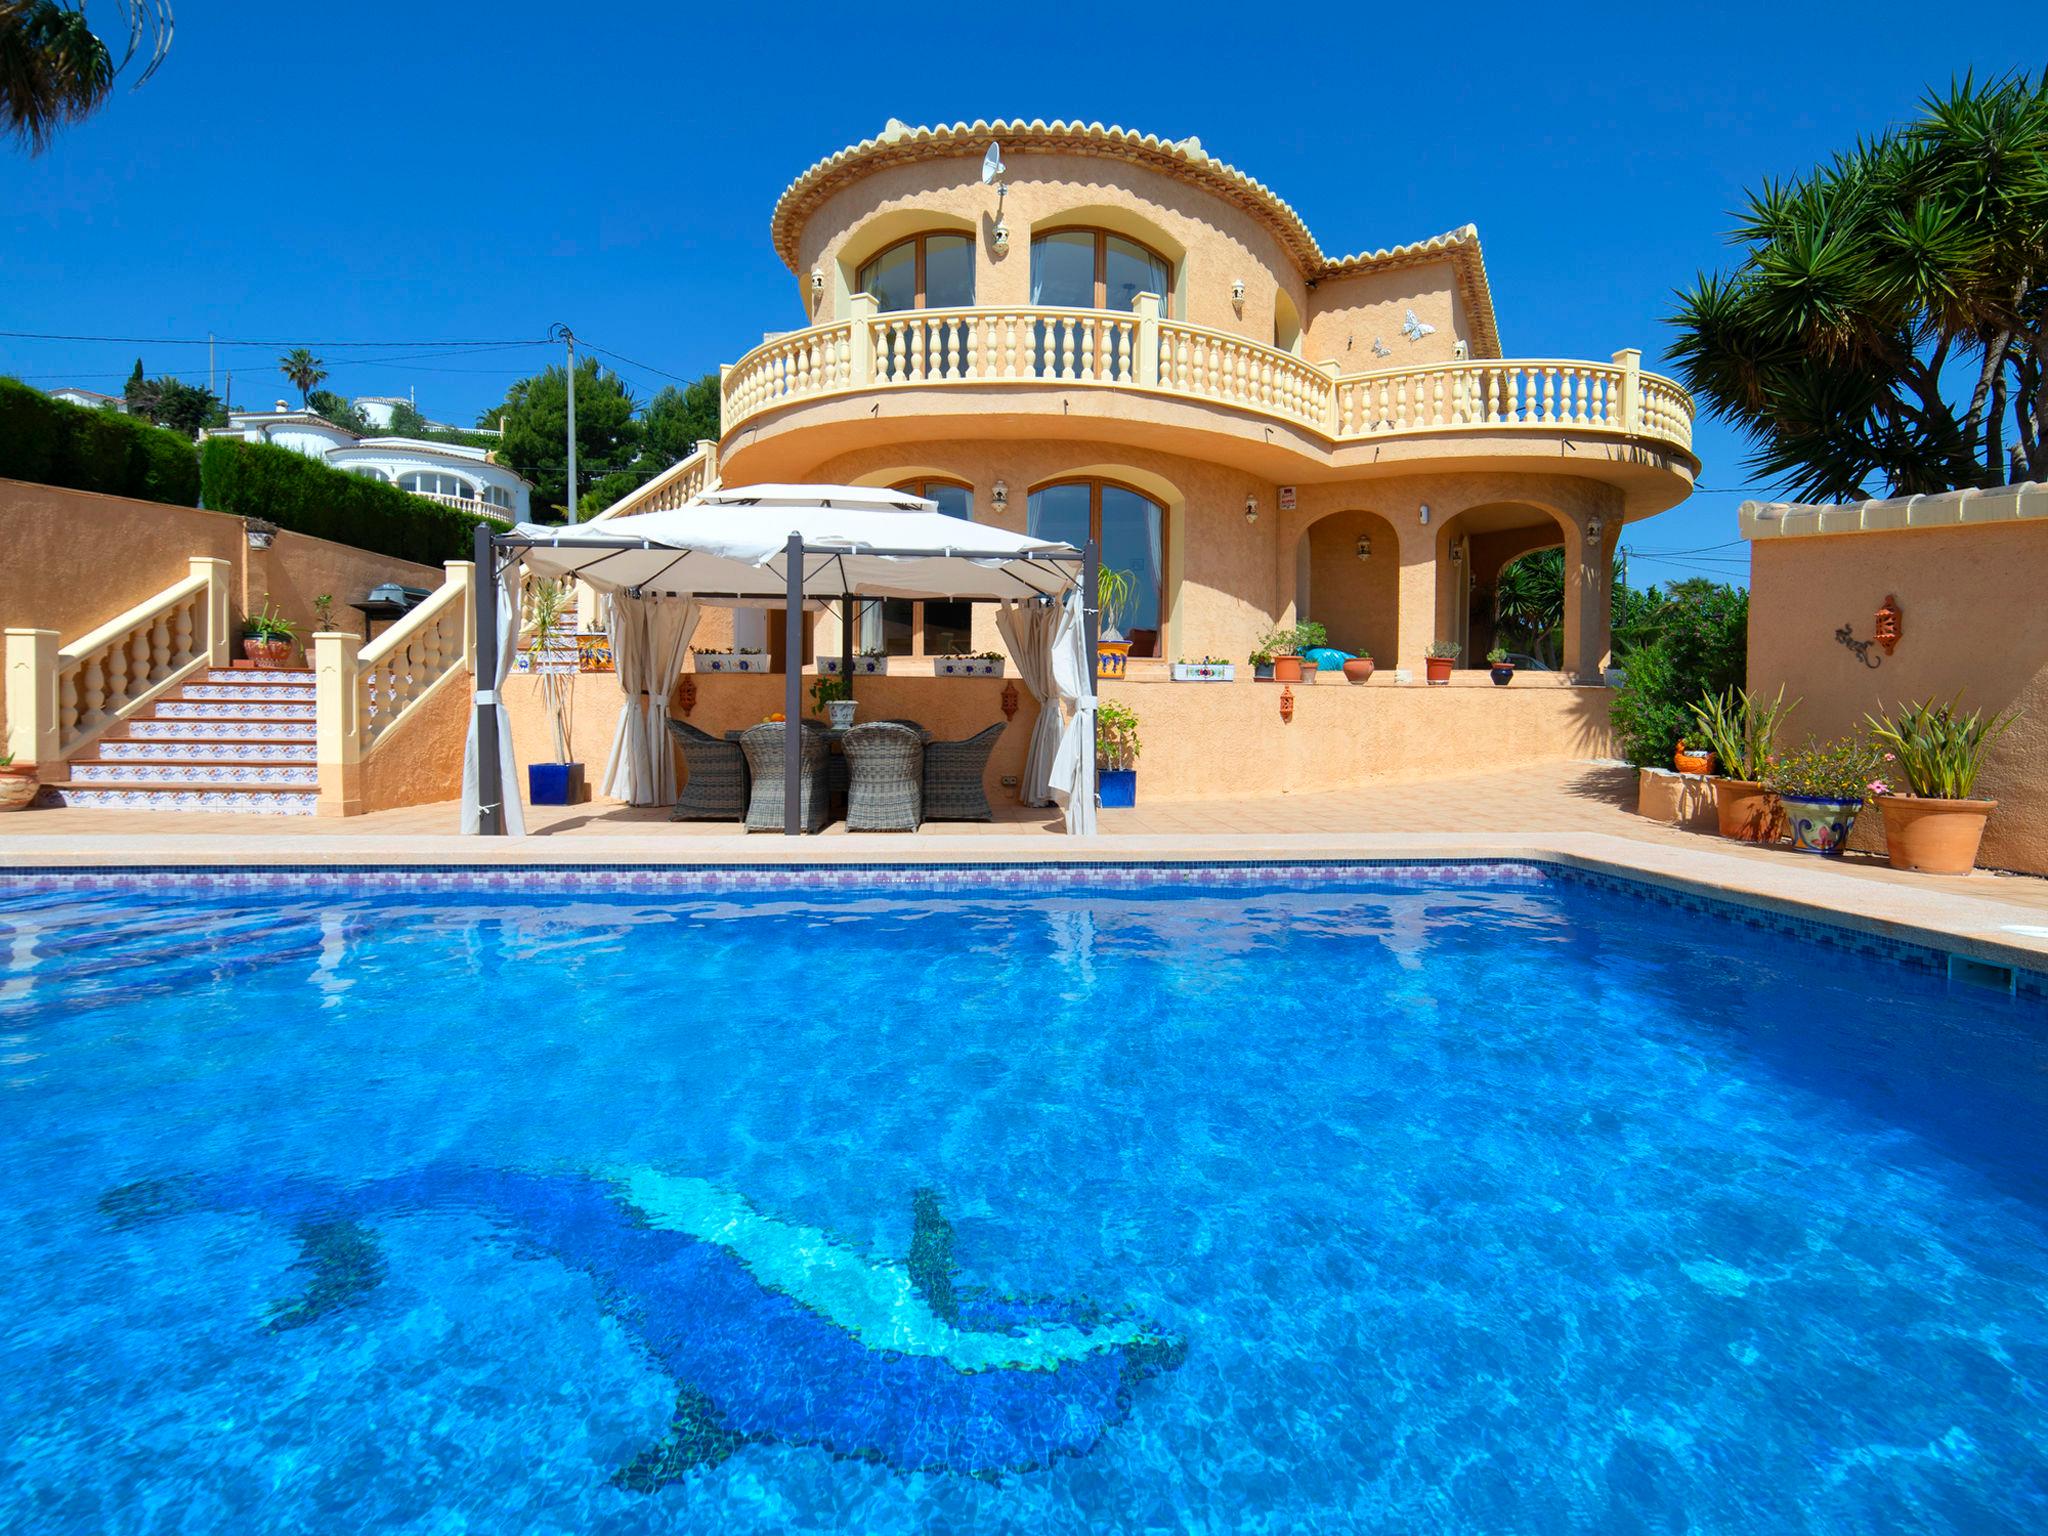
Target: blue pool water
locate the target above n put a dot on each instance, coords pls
(1394, 1202)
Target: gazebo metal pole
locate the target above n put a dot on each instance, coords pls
(792, 688)
(490, 796)
(846, 641)
(1091, 567)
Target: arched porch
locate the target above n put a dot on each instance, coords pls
(1348, 579)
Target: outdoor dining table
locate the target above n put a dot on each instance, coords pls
(833, 735)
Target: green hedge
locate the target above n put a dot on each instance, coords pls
(295, 492)
(52, 442)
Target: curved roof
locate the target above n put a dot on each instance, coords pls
(898, 143)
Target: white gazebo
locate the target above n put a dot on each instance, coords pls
(796, 545)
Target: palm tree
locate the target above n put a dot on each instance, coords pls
(55, 70)
(305, 372)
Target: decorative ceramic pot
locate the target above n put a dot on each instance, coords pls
(1358, 669)
(555, 783)
(1748, 812)
(1286, 669)
(1819, 825)
(1686, 760)
(1117, 787)
(1111, 658)
(18, 786)
(1936, 837)
(1438, 668)
(840, 713)
(1262, 671)
(1502, 675)
(267, 653)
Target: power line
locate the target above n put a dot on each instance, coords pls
(630, 363)
(225, 341)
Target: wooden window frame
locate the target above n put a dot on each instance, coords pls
(919, 296)
(1096, 484)
(923, 488)
(1102, 238)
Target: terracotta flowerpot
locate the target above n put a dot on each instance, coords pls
(1111, 657)
(1438, 668)
(1358, 669)
(1936, 837)
(1286, 669)
(1686, 761)
(18, 786)
(267, 653)
(1748, 812)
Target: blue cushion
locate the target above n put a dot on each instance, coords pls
(1326, 657)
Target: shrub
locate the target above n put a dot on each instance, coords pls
(1825, 770)
(292, 491)
(1701, 648)
(52, 442)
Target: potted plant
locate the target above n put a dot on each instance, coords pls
(834, 695)
(323, 611)
(267, 638)
(1116, 753)
(559, 782)
(1499, 668)
(1744, 734)
(1821, 786)
(1439, 659)
(1931, 821)
(1358, 669)
(1309, 637)
(1692, 755)
(865, 664)
(18, 783)
(1112, 597)
(742, 660)
(1261, 662)
(1279, 645)
(969, 664)
(1210, 669)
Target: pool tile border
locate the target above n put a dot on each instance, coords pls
(1841, 934)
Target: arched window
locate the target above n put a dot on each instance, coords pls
(1094, 269)
(498, 496)
(1130, 528)
(933, 271)
(370, 472)
(429, 483)
(933, 627)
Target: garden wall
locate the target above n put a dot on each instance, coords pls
(1968, 571)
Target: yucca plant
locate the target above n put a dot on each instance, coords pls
(1742, 731)
(1939, 750)
(547, 604)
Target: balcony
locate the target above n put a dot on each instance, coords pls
(962, 349)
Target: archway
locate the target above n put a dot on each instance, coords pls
(1472, 549)
(1348, 579)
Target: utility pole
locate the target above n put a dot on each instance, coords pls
(209, 362)
(569, 341)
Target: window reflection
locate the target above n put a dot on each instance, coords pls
(1130, 528)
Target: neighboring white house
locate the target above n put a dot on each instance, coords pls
(91, 399)
(467, 478)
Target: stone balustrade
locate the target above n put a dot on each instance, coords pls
(909, 349)
(60, 699)
(681, 482)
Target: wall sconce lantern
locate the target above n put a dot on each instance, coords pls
(1425, 514)
(1457, 553)
(1251, 509)
(1002, 235)
(1889, 625)
(817, 281)
(1593, 527)
(1364, 547)
(260, 534)
(1237, 291)
(999, 493)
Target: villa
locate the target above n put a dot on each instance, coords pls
(454, 474)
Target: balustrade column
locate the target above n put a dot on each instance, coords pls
(217, 638)
(1146, 307)
(1629, 418)
(32, 724)
(338, 727)
(860, 358)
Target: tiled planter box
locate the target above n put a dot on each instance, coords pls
(968, 666)
(863, 666)
(714, 662)
(1204, 671)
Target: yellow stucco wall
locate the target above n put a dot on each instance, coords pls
(1973, 623)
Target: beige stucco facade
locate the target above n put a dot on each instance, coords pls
(1967, 571)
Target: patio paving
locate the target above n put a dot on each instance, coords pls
(1575, 812)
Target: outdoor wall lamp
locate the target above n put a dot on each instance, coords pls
(1457, 553)
(1237, 291)
(1593, 527)
(261, 535)
(999, 493)
(1002, 235)
(1364, 547)
(1425, 512)
(817, 281)
(1251, 509)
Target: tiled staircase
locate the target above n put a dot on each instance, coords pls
(228, 740)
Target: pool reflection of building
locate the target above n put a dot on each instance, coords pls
(1132, 341)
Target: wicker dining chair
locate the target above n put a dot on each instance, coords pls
(885, 788)
(715, 789)
(763, 745)
(953, 777)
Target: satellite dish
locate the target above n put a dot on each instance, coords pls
(992, 164)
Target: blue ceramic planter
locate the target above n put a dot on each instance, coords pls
(1117, 787)
(1820, 826)
(554, 783)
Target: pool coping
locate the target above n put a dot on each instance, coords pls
(1966, 920)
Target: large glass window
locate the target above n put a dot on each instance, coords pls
(426, 484)
(903, 627)
(1130, 528)
(1094, 269)
(923, 272)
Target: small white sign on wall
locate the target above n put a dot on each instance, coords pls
(1286, 498)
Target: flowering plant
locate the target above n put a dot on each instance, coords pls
(1824, 770)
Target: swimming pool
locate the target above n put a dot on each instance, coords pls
(1489, 1198)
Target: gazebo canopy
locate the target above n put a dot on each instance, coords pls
(856, 540)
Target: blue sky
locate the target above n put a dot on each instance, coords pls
(475, 173)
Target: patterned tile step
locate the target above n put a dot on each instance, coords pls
(200, 750)
(248, 802)
(179, 709)
(221, 730)
(263, 693)
(258, 675)
(169, 775)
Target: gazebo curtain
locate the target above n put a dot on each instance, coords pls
(649, 636)
(1028, 630)
(509, 617)
(1073, 670)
